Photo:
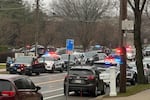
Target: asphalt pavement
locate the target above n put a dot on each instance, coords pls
(144, 95)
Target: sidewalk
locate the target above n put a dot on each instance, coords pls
(144, 95)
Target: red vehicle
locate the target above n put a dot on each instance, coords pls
(18, 87)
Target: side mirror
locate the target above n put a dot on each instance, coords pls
(38, 88)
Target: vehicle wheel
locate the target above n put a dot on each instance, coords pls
(77, 92)
(37, 73)
(104, 89)
(146, 79)
(62, 69)
(11, 72)
(95, 92)
(53, 69)
(133, 81)
(118, 80)
(29, 73)
(41, 98)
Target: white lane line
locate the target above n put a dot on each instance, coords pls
(44, 92)
(46, 76)
(46, 98)
(54, 96)
(42, 83)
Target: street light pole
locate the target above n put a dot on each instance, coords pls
(37, 25)
(123, 16)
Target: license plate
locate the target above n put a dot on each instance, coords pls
(77, 81)
(18, 70)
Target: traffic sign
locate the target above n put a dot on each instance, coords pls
(127, 24)
(69, 44)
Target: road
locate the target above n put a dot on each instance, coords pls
(52, 87)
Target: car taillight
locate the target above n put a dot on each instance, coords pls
(21, 67)
(91, 77)
(7, 93)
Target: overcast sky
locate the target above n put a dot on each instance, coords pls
(44, 2)
(45, 5)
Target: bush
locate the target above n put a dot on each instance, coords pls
(4, 55)
(3, 48)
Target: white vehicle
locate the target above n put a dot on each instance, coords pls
(131, 76)
(52, 64)
(146, 65)
(146, 51)
(131, 54)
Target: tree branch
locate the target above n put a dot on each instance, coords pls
(143, 4)
(133, 8)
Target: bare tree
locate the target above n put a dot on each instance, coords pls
(85, 14)
(137, 7)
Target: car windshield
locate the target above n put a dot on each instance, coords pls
(45, 59)
(65, 57)
(80, 72)
(89, 54)
(24, 60)
(101, 55)
(147, 48)
(5, 85)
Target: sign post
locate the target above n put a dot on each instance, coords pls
(69, 50)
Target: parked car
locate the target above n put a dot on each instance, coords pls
(52, 64)
(84, 79)
(9, 61)
(131, 75)
(73, 60)
(27, 65)
(113, 59)
(90, 57)
(146, 65)
(130, 52)
(18, 87)
(146, 51)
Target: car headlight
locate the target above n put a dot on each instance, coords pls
(90, 59)
(11, 65)
(28, 65)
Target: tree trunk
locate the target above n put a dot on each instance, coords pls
(138, 46)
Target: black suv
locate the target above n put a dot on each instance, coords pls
(84, 79)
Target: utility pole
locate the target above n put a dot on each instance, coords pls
(123, 16)
(37, 26)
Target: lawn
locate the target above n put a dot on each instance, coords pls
(131, 90)
(2, 65)
(134, 89)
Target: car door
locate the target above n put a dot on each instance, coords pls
(38, 66)
(26, 89)
(33, 90)
(57, 63)
(23, 92)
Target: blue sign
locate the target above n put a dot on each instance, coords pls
(69, 44)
